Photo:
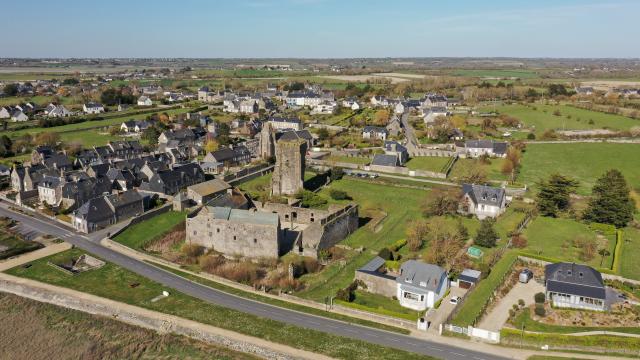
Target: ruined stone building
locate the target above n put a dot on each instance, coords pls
(288, 174)
(267, 142)
(235, 232)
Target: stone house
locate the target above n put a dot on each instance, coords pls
(203, 192)
(144, 101)
(170, 182)
(478, 148)
(374, 132)
(236, 232)
(103, 211)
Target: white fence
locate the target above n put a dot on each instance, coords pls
(484, 335)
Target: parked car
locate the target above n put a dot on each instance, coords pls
(525, 276)
(454, 300)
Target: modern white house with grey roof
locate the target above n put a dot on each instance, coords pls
(575, 286)
(421, 285)
(478, 148)
(483, 201)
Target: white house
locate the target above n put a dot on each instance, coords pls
(59, 111)
(379, 100)
(575, 286)
(19, 116)
(92, 108)
(374, 132)
(327, 107)
(477, 148)
(483, 201)
(144, 101)
(431, 114)
(421, 285)
(4, 113)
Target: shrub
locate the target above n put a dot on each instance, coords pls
(338, 195)
(398, 244)
(386, 254)
(209, 263)
(521, 303)
(512, 313)
(539, 298)
(191, 251)
(515, 307)
(519, 241)
(539, 310)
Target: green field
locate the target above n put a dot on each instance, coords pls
(523, 74)
(541, 118)
(380, 304)
(139, 235)
(524, 318)
(400, 206)
(349, 159)
(116, 283)
(553, 238)
(428, 163)
(629, 264)
(493, 170)
(584, 162)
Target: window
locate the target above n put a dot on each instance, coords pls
(218, 230)
(234, 237)
(255, 241)
(411, 296)
(195, 232)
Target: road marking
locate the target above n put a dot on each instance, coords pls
(455, 353)
(478, 358)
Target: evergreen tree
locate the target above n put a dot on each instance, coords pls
(554, 194)
(610, 202)
(486, 235)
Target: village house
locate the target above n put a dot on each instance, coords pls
(431, 114)
(203, 192)
(379, 100)
(170, 182)
(575, 286)
(281, 123)
(374, 132)
(92, 108)
(421, 285)
(394, 148)
(478, 148)
(106, 210)
(483, 201)
(144, 101)
(58, 111)
(435, 100)
(230, 157)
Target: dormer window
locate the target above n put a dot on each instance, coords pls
(423, 284)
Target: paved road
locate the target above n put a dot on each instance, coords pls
(409, 133)
(217, 297)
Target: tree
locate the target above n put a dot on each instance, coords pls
(603, 253)
(610, 202)
(416, 234)
(338, 195)
(486, 235)
(554, 194)
(11, 90)
(442, 202)
(150, 135)
(211, 145)
(444, 243)
(47, 139)
(323, 134)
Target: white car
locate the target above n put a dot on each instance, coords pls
(454, 300)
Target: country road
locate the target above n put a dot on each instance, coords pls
(384, 338)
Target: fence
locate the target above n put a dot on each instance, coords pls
(476, 333)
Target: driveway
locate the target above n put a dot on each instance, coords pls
(498, 316)
(439, 315)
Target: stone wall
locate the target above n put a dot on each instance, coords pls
(330, 231)
(376, 284)
(233, 238)
(289, 213)
(288, 174)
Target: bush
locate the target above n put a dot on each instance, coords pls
(338, 195)
(521, 303)
(539, 310)
(531, 136)
(191, 251)
(386, 254)
(539, 298)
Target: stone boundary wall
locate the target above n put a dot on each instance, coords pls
(146, 216)
(160, 322)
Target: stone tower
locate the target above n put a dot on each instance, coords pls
(267, 142)
(288, 174)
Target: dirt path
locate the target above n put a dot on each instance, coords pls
(497, 317)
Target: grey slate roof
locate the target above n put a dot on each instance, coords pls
(385, 160)
(574, 279)
(421, 275)
(482, 194)
(373, 265)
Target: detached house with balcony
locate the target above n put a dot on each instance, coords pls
(483, 201)
(421, 285)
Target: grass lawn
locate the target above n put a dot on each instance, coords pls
(541, 118)
(380, 304)
(476, 300)
(349, 159)
(629, 265)
(493, 170)
(38, 330)
(553, 238)
(257, 185)
(138, 235)
(113, 282)
(607, 344)
(584, 162)
(428, 163)
(401, 205)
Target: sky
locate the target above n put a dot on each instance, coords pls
(320, 28)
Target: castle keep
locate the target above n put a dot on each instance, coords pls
(288, 174)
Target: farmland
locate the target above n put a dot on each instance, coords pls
(584, 162)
